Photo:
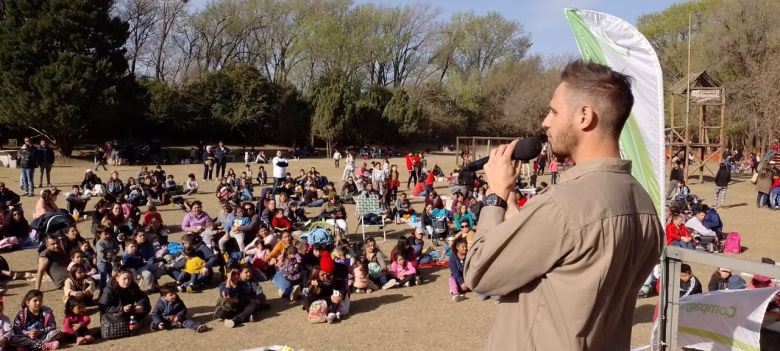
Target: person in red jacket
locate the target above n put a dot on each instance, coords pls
(280, 222)
(410, 170)
(429, 180)
(677, 234)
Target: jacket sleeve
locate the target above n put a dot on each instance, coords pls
(18, 327)
(409, 269)
(185, 223)
(252, 226)
(107, 302)
(502, 260)
(278, 248)
(157, 312)
(67, 288)
(713, 285)
(51, 322)
(454, 271)
(141, 299)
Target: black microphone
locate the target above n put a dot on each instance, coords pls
(527, 149)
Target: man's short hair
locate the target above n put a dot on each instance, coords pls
(608, 91)
(686, 268)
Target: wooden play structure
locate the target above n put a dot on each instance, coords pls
(705, 140)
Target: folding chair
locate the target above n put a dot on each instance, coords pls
(369, 204)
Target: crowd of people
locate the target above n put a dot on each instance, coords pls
(268, 235)
(257, 236)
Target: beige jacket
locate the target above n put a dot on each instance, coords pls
(569, 265)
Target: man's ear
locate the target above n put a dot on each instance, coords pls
(586, 118)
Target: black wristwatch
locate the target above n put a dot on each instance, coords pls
(494, 200)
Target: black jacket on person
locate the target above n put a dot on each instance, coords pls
(677, 174)
(723, 177)
(221, 154)
(9, 196)
(113, 299)
(90, 182)
(45, 156)
(27, 157)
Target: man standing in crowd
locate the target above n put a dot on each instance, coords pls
(45, 162)
(596, 234)
(27, 162)
(280, 169)
(221, 153)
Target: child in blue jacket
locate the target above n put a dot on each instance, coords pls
(170, 312)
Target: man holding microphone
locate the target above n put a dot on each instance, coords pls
(568, 264)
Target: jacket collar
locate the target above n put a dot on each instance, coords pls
(614, 165)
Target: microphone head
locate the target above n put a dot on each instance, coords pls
(527, 149)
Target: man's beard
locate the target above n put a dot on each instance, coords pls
(564, 143)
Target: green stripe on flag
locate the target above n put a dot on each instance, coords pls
(725, 340)
(632, 143)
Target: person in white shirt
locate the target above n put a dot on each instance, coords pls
(377, 176)
(336, 157)
(695, 224)
(280, 169)
(247, 157)
(349, 167)
(190, 185)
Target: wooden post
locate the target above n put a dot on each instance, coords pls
(457, 150)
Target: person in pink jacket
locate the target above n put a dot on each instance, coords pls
(403, 271)
(554, 170)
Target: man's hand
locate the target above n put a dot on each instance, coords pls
(501, 171)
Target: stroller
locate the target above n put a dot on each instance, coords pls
(440, 225)
(51, 223)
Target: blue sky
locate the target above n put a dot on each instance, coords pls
(544, 19)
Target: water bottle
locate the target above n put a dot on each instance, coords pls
(132, 325)
(414, 218)
(76, 215)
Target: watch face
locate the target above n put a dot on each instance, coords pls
(491, 200)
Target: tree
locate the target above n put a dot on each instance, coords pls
(472, 44)
(405, 114)
(141, 15)
(334, 104)
(61, 63)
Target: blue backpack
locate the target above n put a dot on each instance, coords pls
(175, 248)
(318, 236)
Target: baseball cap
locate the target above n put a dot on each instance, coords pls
(724, 269)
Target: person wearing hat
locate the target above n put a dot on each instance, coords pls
(722, 279)
(761, 281)
(324, 286)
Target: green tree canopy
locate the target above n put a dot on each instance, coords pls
(61, 64)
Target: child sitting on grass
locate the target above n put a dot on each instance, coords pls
(361, 282)
(292, 272)
(170, 312)
(78, 286)
(75, 327)
(35, 326)
(457, 261)
(403, 271)
(192, 270)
